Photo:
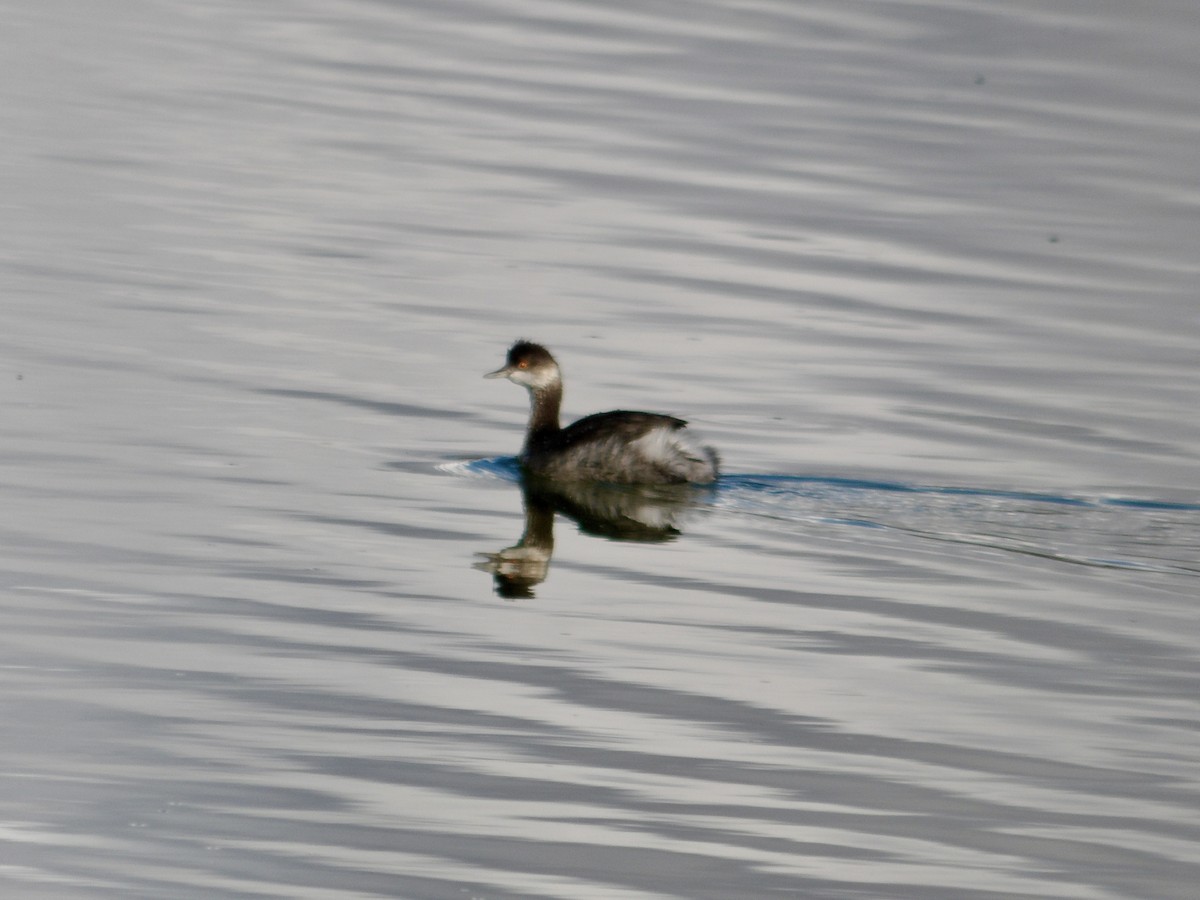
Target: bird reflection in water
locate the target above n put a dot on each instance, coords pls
(643, 513)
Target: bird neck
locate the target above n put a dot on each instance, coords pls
(544, 403)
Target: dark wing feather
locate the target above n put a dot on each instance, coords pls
(629, 426)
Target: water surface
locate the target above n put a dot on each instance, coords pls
(924, 274)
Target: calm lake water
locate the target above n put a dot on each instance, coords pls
(278, 618)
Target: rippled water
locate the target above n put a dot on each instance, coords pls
(279, 618)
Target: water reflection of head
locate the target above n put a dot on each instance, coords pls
(641, 513)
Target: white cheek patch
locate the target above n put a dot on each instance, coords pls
(543, 378)
(538, 379)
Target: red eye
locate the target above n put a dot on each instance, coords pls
(523, 364)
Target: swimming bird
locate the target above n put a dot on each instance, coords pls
(618, 447)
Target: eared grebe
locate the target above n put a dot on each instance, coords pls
(618, 447)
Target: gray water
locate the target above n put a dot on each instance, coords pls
(277, 619)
